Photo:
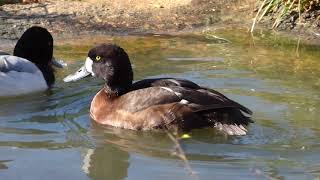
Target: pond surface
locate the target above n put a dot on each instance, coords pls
(49, 135)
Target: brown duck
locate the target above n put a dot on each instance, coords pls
(155, 103)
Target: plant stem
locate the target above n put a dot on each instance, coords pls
(255, 19)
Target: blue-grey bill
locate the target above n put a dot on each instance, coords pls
(81, 73)
(58, 63)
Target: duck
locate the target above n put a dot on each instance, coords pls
(155, 104)
(29, 69)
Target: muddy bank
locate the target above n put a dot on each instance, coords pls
(72, 18)
(124, 16)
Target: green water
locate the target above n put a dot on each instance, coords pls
(50, 136)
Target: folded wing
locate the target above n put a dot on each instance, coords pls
(187, 105)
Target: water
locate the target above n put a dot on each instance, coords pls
(49, 135)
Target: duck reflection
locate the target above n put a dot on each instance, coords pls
(106, 162)
(113, 146)
(150, 143)
(110, 156)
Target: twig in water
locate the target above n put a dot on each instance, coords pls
(180, 154)
(175, 139)
(297, 49)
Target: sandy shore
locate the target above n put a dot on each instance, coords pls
(123, 16)
(73, 18)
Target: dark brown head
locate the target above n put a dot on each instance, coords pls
(110, 63)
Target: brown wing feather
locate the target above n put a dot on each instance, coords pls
(141, 99)
(171, 82)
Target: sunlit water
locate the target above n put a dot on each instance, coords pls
(50, 136)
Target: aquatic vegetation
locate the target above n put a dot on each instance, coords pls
(284, 9)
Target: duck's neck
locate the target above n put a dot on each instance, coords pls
(115, 91)
(119, 81)
(48, 74)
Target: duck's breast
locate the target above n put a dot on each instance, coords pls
(19, 76)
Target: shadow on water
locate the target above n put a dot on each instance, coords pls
(264, 73)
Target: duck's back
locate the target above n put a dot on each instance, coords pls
(19, 76)
(191, 90)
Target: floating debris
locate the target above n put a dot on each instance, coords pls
(185, 136)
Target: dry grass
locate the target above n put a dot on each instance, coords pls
(284, 9)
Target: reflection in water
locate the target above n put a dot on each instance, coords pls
(106, 161)
(29, 103)
(3, 164)
(156, 144)
(50, 135)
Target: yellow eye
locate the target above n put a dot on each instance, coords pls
(98, 58)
